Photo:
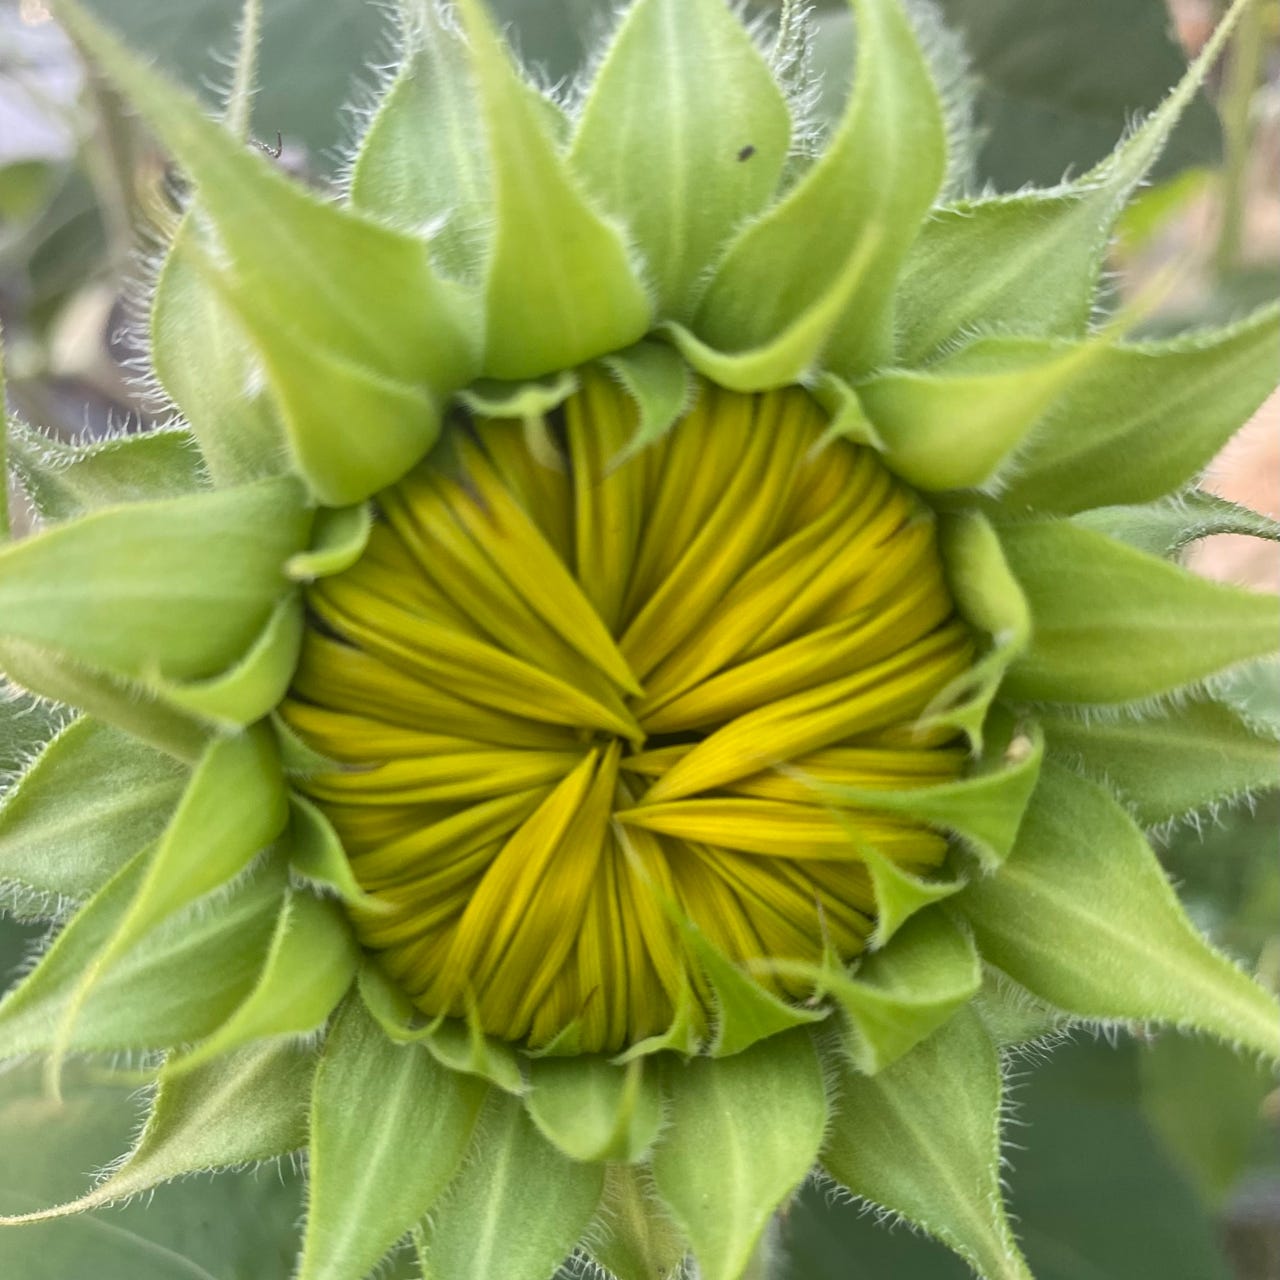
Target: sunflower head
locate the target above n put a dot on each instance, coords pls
(642, 666)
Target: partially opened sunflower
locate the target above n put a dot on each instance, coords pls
(640, 669)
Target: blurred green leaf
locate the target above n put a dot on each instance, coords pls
(1094, 1194)
(1212, 1144)
(1057, 82)
(232, 1227)
(312, 60)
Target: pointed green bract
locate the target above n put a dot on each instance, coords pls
(922, 1140)
(252, 686)
(989, 598)
(1164, 528)
(205, 361)
(1171, 761)
(309, 968)
(63, 480)
(326, 295)
(1113, 625)
(744, 1011)
(422, 162)
(743, 1133)
(177, 588)
(456, 1044)
(1083, 917)
(316, 854)
(338, 540)
(660, 383)
(899, 894)
(233, 807)
(92, 799)
(1029, 263)
(177, 984)
(899, 995)
(633, 1236)
(389, 1128)
(559, 287)
(122, 703)
(879, 175)
(682, 137)
(516, 1209)
(1148, 418)
(247, 1106)
(593, 1109)
(983, 809)
(952, 425)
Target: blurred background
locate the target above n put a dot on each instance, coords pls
(1151, 1158)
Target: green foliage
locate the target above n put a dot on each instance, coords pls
(87, 803)
(720, 1171)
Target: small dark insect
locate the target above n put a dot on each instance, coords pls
(274, 152)
(747, 152)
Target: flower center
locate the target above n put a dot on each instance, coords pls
(585, 695)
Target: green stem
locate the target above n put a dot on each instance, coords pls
(1235, 105)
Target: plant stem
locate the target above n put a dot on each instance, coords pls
(1236, 102)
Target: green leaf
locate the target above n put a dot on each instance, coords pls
(233, 807)
(953, 425)
(308, 61)
(389, 1128)
(1029, 263)
(559, 287)
(1170, 761)
(983, 808)
(1204, 1102)
(338, 540)
(516, 1209)
(632, 1236)
(177, 984)
(65, 480)
(90, 801)
(1058, 80)
(422, 161)
(460, 1045)
(1113, 625)
(593, 1109)
(1083, 917)
(250, 1105)
(988, 597)
(27, 726)
(205, 361)
(922, 1140)
(1164, 528)
(122, 703)
(744, 1133)
(904, 992)
(1147, 418)
(347, 314)
(682, 137)
(179, 1232)
(309, 968)
(177, 588)
(877, 178)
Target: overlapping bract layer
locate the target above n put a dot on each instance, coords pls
(316, 349)
(583, 693)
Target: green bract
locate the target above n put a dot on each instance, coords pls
(493, 256)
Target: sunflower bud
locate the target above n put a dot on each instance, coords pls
(667, 631)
